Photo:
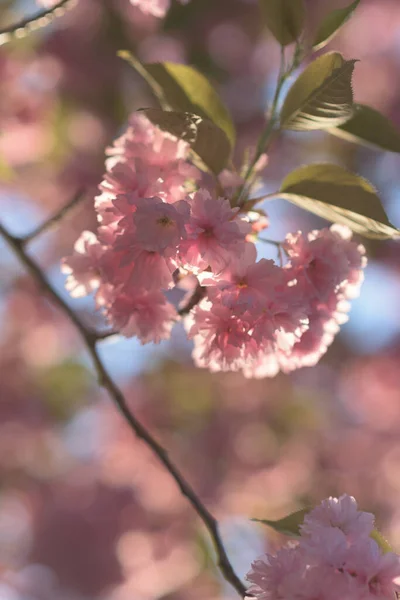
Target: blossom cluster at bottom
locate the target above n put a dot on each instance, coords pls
(334, 559)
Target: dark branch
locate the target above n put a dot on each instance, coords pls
(36, 21)
(103, 335)
(198, 295)
(90, 339)
(51, 221)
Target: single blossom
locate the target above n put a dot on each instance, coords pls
(245, 282)
(341, 513)
(222, 339)
(83, 267)
(374, 572)
(146, 315)
(215, 234)
(327, 260)
(160, 226)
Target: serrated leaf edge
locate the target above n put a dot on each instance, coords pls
(336, 73)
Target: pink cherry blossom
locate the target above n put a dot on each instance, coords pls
(146, 315)
(215, 235)
(159, 226)
(333, 558)
(326, 259)
(83, 267)
(374, 571)
(341, 513)
(149, 162)
(272, 576)
(326, 270)
(140, 268)
(323, 583)
(266, 364)
(245, 282)
(222, 340)
(158, 8)
(153, 231)
(325, 547)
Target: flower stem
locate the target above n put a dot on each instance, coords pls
(272, 127)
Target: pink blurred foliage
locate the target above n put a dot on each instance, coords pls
(85, 510)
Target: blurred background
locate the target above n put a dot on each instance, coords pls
(85, 511)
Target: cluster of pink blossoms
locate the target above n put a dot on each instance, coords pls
(162, 226)
(334, 559)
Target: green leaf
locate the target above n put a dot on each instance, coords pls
(289, 525)
(207, 140)
(183, 88)
(333, 193)
(381, 541)
(370, 128)
(284, 18)
(322, 97)
(332, 23)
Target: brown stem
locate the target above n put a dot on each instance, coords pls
(105, 380)
(103, 335)
(40, 19)
(51, 221)
(198, 295)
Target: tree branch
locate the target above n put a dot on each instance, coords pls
(51, 221)
(197, 296)
(105, 380)
(38, 20)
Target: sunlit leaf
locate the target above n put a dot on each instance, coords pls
(289, 525)
(332, 23)
(284, 18)
(183, 88)
(207, 140)
(322, 96)
(370, 128)
(333, 193)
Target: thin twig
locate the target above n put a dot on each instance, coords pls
(51, 221)
(272, 128)
(198, 295)
(106, 381)
(278, 246)
(39, 19)
(103, 335)
(267, 134)
(272, 242)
